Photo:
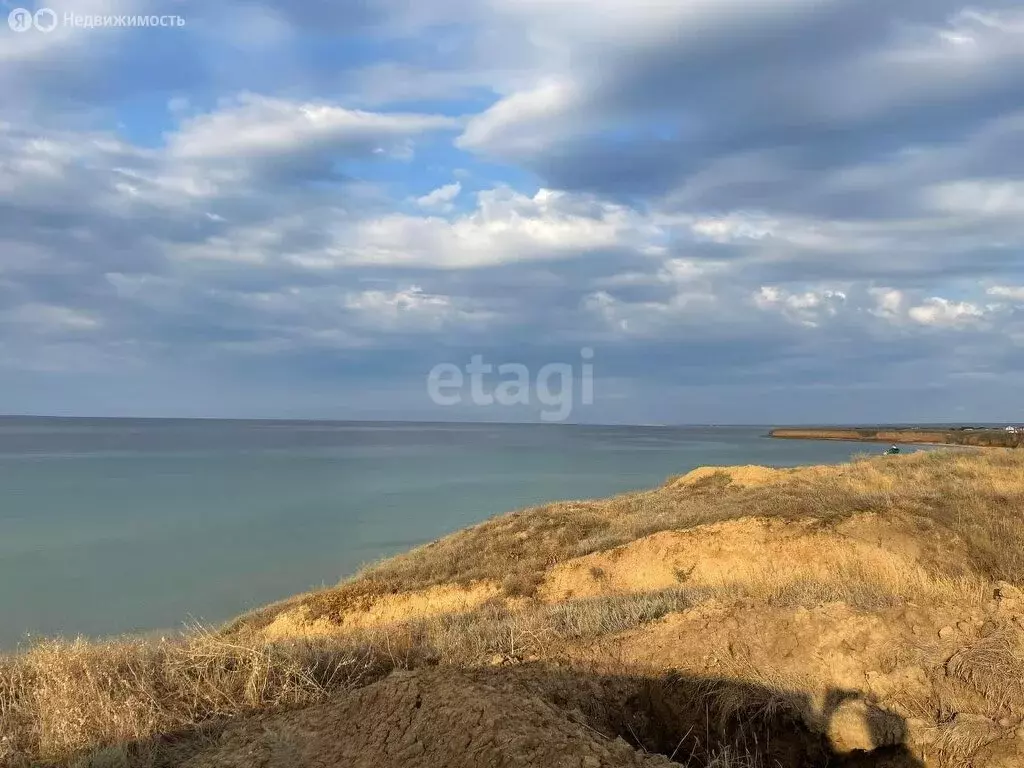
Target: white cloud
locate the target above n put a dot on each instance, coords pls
(252, 126)
(688, 294)
(737, 226)
(413, 310)
(51, 319)
(986, 28)
(1013, 292)
(897, 308)
(634, 319)
(979, 197)
(888, 303)
(524, 122)
(943, 313)
(505, 227)
(809, 308)
(441, 199)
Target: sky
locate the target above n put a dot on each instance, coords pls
(751, 211)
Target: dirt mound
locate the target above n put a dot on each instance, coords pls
(538, 715)
(769, 558)
(746, 475)
(429, 719)
(381, 609)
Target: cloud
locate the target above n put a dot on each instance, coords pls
(889, 303)
(48, 318)
(980, 198)
(440, 199)
(818, 199)
(819, 84)
(897, 308)
(504, 227)
(1012, 292)
(807, 308)
(412, 310)
(252, 126)
(937, 311)
(515, 124)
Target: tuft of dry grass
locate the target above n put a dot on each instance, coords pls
(993, 666)
(961, 737)
(594, 617)
(520, 584)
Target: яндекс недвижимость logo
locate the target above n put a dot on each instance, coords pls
(22, 20)
(46, 20)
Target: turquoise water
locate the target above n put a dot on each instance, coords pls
(112, 526)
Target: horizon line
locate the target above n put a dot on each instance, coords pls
(467, 422)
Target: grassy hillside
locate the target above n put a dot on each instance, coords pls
(867, 614)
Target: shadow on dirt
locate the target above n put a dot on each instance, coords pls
(700, 721)
(689, 720)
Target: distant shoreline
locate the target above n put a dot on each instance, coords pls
(981, 438)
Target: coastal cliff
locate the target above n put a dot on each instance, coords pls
(862, 614)
(982, 438)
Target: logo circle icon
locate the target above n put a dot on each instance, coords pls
(20, 20)
(45, 19)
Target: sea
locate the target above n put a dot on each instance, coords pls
(125, 526)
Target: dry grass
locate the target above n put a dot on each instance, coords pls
(61, 701)
(497, 632)
(871, 584)
(520, 585)
(973, 495)
(962, 737)
(993, 666)
(61, 698)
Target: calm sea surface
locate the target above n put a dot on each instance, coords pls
(111, 526)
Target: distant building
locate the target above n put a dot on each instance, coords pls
(1015, 430)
